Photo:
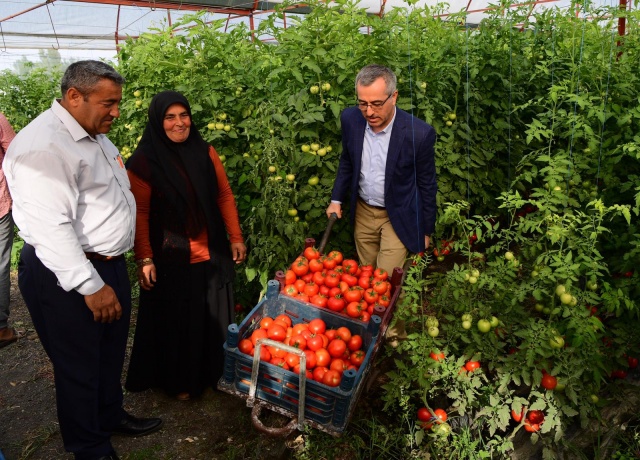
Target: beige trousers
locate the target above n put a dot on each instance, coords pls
(376, 241)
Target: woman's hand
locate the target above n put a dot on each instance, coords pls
(238, 252)
(147, 276)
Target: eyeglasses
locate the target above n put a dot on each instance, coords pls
(375, 105)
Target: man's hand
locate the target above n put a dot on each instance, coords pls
(239, 252)
(335, 207)
(147, 276)
(104, 304)
(427, 241)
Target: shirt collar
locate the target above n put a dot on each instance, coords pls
(387, 129)
(75, 129)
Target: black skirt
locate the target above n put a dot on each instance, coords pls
(181, 328)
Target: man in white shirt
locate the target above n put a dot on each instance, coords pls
(75, 212)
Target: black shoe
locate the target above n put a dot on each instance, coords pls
(133, 426)
(111, 456)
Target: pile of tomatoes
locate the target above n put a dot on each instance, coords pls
(338, 284)
(329, 352)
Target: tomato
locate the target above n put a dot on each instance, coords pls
(339, 365)
(311, 289)
(312, 359)
(258, 334)
(329, 263)
(336, 348)
(307, 278)
(517, 416)
(484, 325)
(436, 356)
(299, 284)
(619, 374)
(280, 362)
(302, 297)
(354, 309)
(300, 267)
(371, 296)
(349, 279)
(332, 279)
(549, 382)
(315, 266)
(298, 341)
(264, 354)
(323, 357)
(531, 428)
(311, 253)
(344, 333)
(353, 294)
(471, 366)
(277, 332)
(330, 334)
(245, 346)
(354, 343)
(440, 417)
(535, 417)
(633, 362)
(556, 342)
(315, 342)
(266, 322)
(383, 300)
(317, 326)
(380, 274)
(318, 373)
(331, 378)
(277, 352)
(336, 255)
(290, 290)
(284, 318)
(336, 303)
(292, 359)
(324, 290)
(289, 277)
(424, 415)
(319, 300)
(350, 266)
(365, 316)
(319, 277)
(380, 286)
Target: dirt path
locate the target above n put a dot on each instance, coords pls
(215, 426)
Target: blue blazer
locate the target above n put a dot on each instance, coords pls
(410, 176)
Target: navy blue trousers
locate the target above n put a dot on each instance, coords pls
(87, 356)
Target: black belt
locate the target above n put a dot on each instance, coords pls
(100, 257)
(382, 208)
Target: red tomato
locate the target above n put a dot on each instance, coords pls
(366, 268)
(365, 316)
(531, 428)
(436, 356)
(380, 286)
(517, 416)
(315, 342)
(277, 332)
(344, 287)
(371, 296)
(311, 289)
(329, 263)
(264, 354)
(302, 297)
(277, 352)
(298, 328)
(280, 362)
(330, 334)
(440, 417)
(298, 341)
(619, 374)
(290, 290)
(245, 346)
(380, 274)
(336, 303)
(353, 294)
(258, 334)
(311, 253)
(549, 382)
(300, 267)
(319, 277)
(424, 415)
(315, 266)
(471, 366)
(364, 282)
(339, 365)
(349, 279)
(336, 348)
(266, 322)
(331, 378)
(384, 300)
(357, 358)
(312, 359)
(324, 290)
(284, 318)
(289, 277)
(323, 358)
(350, 266)
(332, 279)
(318, 373)
(354, 343)
(535, 416)
(299, 285)
(307, 278)
(319, 300)
(633, 362)
(336, 255)
(317, 326)
(343, 333)
(354, 309)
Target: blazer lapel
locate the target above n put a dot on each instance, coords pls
(395, 146)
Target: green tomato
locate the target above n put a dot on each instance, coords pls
(557, 342)
(222, 116)
(227, 128)
(484, 326)
(534, 274)
(442, 429)
(440, 258)
(475, 272)
(433, 331)
(466, 317)
(315, 146)
(452, 116)
(594, 399)
(592, 285)
(494, 321)
(466, 325)
(313, 180)
(565, 298)
(326, 87)
(473, 280)
(211, 126)
(539, 307)
(138, 102)
(292, 212)
(322, 152)
(137, 93)
(432, 321)
(291, 177)
(560, 289)
(272, 169)
(219, 126)
(509, 255)
(305, 148)
(314, 89)
(449, 123)
(329, 148)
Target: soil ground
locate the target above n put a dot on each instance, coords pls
(215, 426)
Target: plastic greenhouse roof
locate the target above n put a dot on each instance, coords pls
(101, 25)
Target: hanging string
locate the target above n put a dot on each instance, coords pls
(3, 42)
(466, 23)
(53, 26)
(510, 107)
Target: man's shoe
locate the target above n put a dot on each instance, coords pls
(111, 456)
(134, 426)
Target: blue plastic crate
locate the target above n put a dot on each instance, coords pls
(326, 408)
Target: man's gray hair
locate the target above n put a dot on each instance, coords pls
(372, 72)
(85, 76)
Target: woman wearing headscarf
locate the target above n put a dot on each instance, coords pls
(187, 239)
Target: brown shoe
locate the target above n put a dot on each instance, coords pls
(183, 396)
(8, 335)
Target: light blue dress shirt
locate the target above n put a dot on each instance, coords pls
(374, 163)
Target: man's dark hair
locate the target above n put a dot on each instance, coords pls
(372, 72)
(85, 76)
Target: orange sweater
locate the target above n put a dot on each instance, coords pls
(199, 245)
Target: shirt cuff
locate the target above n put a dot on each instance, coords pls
(336, 202)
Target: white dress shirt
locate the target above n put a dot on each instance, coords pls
(374, 164)
(71, 195)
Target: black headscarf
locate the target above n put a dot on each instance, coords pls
(184, 189)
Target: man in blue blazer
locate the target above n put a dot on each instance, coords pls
(387, 167)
